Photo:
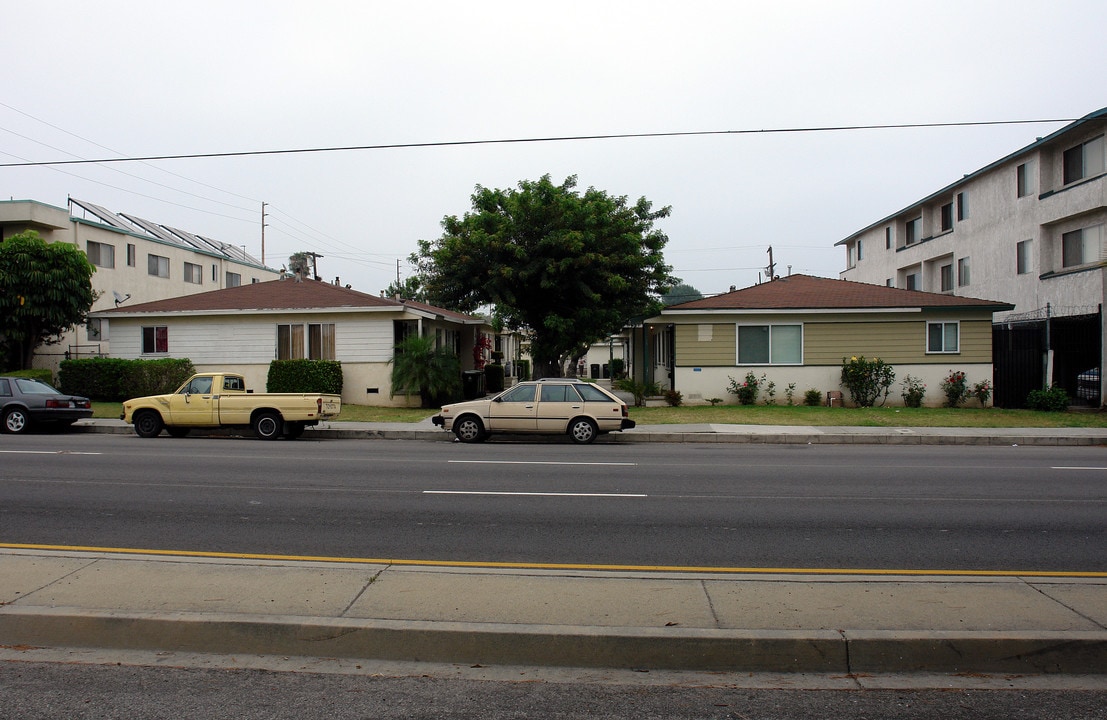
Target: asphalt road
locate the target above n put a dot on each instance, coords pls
(1016, 509)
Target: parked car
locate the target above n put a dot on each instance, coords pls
(1087, 385)
(24, 402)
(554, 406)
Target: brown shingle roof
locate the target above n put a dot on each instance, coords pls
(280, 295)
(805, 292)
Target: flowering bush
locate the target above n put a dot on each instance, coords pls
(867, 380)
(955, 387)
(914, 390)
(747, 391)
(982, 391)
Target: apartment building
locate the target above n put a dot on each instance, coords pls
(1029, 230)
(136, 261)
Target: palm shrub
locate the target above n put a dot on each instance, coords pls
(418, 366)
(867, 380)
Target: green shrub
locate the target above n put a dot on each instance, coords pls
(813, 398)
(638, 389)
(747, 390)
(956, 388)
(914, 390)
(304, 376)
(116, 380)
(522, 370)
(494, 377)
(41, 374)
(1054, 400)
(674, 397)
(618, 366)
(867, 380)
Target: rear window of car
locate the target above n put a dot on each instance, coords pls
(592, 393)
(34, 387)
(5, 388)
(559, 393)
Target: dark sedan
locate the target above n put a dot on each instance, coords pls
(24, 402)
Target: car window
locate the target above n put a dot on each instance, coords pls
(559, 393)
(34, 387)
(234, 383)
(592, 393)
(5, 388)
(198, 386)
(520, 393)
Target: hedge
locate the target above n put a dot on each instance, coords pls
(116, 380)
(305, 376)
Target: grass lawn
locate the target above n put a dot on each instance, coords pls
(770, 415)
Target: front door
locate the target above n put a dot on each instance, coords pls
(193, 406)
(514, 411)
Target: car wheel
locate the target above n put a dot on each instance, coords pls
(178, 432)
(16, 420)
(469, 429)
(267, 425)
(148, 424)
(293, 430)
(583, 431)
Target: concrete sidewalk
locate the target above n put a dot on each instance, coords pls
(700, 433)
(751, 623)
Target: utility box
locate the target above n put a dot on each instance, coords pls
(834, 398)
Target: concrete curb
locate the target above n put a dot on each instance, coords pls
(807, 651)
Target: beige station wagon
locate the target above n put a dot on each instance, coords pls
(553, 406)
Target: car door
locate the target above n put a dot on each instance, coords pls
(193, 406)
(514, 410)
(557, 404)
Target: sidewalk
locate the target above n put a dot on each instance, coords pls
(749, 623)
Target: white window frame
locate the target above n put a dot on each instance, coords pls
(944, 350)
(1091, 244)
(97, 330)
(157, 266)
(193, 273)
(964, 272)
(1093, 160)
(770, 326)
(102, 255)
(233, 279)
(1024, 260)
(305, 341)
(154, 349)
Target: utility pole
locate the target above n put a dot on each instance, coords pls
(397, 272)
(772, 265)
(314, 263)
(263, 233)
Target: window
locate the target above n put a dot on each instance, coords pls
(157, 266)
(319, 346)
(859, 250)
(155, 340)
(1080, 247)
(131, 255)
(770, 344)
(233, 279)
(962, 206)
(946, 272)
(215, 273)
(914, 231)
(912, 281)
(888, 238)
(559, 393)
(890, 282)
(1022, 257)
(97, 329)
(947, 217)
(942, 337)
(519, 393)
(963, 272)
(1023, 182)
(193, 273)
(1084, 160)
(101, 255)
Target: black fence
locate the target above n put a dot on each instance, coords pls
(1019, 354)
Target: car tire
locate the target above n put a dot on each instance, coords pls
(16, 420)
(178, 432)
(469, 429)
(148, 424)
(267, 425)
(583, 431)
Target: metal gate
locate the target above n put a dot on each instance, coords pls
(1020, 355)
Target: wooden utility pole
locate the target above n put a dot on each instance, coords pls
(772, 265)
(314, 263)
(263, 233)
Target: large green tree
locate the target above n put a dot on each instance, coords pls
(45, 289)
(568, 266)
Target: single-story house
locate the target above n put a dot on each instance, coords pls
(797, 329)
(244, 328)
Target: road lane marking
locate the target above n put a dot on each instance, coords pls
(558, 566)
(539, 462)
(47, 452)
(533, 494)
(1078, 467)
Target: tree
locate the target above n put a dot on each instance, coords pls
(419, 366)
(569, 267)
(680, 293)
(45, 289)
(410, 289)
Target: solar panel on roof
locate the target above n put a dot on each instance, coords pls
(102, 214)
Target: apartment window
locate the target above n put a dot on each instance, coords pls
(962, 206)
(1084, 160)
(859, 254)
(131, 255)
(193, 273)
(157, 266)
(890, 282)
(912, 281)
(770, 344)
(888, 238)
(233, 279)
(942, 337)
(1024, 183)
(291, 341)
(1080, 247)
(963, 276)
(851, 255)
(155, 340)
(946, 272)
(914, 231)
(947, 217)
(101, 255)
(97, 330)
(1022, 257)
(215, 273)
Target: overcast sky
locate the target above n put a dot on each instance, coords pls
(113, 79)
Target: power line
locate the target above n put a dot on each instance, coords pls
(565, 138)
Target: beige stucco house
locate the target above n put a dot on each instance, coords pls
(797, 329)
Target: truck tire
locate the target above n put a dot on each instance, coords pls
(148, 423)
(267, 425)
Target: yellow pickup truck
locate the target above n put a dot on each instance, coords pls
(208, 400)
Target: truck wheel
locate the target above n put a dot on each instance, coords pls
(178, 432)
(583, 431)
(267, 425)
(148, 424)
(293, 430)
(15, 420)
(469, 429)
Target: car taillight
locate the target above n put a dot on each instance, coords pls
(626, 413)
(56, 403)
